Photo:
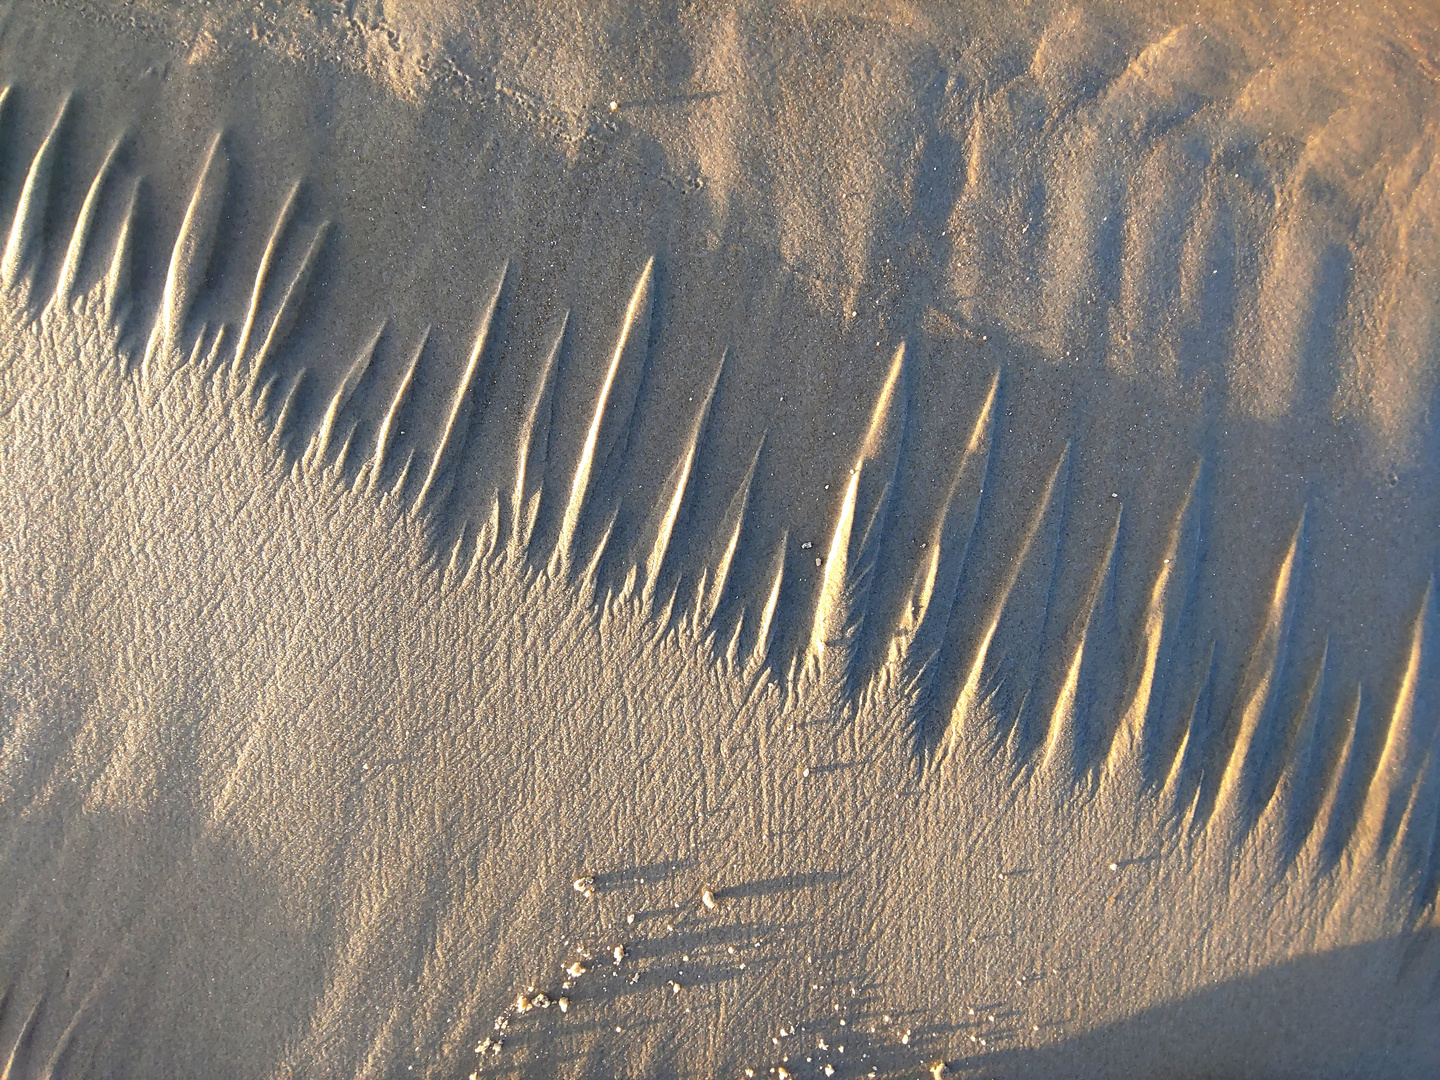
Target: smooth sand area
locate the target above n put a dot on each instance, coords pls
(808, 540)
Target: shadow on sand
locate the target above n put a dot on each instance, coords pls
(1367, 1010)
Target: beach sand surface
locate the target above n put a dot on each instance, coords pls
(573, 540)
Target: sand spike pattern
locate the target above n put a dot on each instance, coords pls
(967, 704)
(84, 224)
(1257, 697)
(679, 488)
(1364, 805)
(1062, 760)
(534, 445)
(320, 445)
(1125, 756)
(637, 313)
(387, 426)
(190, 256)
(929, 611)
(29, 220)
(463, 392)
(262, 272)
(1403, 754)
(853, 545)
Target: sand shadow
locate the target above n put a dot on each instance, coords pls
(1366, 1010)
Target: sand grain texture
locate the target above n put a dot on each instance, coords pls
(913, 532)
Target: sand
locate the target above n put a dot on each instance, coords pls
(614, 541)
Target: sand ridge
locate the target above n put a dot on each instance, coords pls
(1049, 158)
(331, 671)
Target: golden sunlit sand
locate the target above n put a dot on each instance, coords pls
(819, 541)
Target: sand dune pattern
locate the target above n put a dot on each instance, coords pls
(1103, 716)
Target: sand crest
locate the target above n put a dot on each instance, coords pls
(826, 542)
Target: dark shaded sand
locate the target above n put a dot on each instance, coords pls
(574, 541)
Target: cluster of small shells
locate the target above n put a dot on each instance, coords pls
(581, 963)
(887, 1035)
(531, 999)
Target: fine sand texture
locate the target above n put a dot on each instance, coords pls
(601, 540)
